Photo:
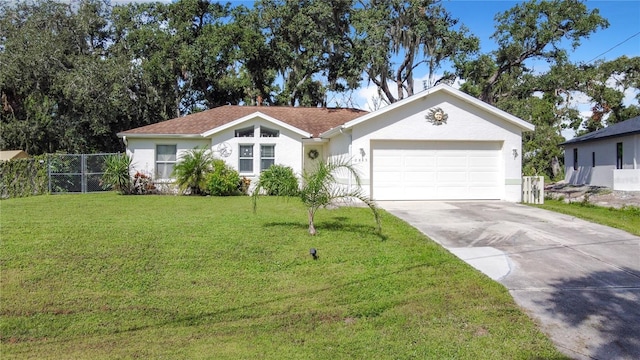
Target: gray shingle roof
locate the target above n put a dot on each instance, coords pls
(627, 127)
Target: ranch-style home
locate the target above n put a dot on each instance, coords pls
(439, 144)
(607, 157)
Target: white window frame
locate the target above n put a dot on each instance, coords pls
(240, 158)
(266, 132)
(245, 132)
(172, 162)
(263, 157)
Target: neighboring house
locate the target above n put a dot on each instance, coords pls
(607, 157)
(438, 144)
(6, 155)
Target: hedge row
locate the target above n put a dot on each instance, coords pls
(23, 177)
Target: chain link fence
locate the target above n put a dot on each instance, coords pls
(76, 173)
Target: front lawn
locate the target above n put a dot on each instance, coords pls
(110, 276)
(627, 218)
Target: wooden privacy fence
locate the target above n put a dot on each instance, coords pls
(533, 189)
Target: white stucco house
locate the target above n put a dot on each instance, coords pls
(607, 157)
(438, 144)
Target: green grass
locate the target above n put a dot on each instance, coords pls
(627, 218)
(109, 276)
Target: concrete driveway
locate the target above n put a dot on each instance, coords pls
(579, 281)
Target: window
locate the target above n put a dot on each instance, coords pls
(575, 159)
(266, 132)
(165, 160)
(246, 159)
(619, 156)
(593, 159)
(267, 156)
(246, 132)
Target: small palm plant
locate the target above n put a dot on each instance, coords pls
(320, 189)
(117, 173)
(192, 169)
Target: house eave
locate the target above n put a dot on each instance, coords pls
(331, 132)
(523, 125)
(314, 141)
(254, 115)
(158, 136)
(583, 141)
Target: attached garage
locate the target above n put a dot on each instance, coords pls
(436, 170)
(440, 144)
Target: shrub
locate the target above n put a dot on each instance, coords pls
(143, 184)
(223, 180)
(23, 177)
(192, 170)
(117, 174)
(279, 180)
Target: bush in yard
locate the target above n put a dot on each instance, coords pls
(23, 177)
(117, 173)
(192, 170)
(223, 180)
(278, 180)
(143, 184)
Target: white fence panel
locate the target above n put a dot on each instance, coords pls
(533, 189)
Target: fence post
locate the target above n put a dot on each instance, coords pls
(533, 189)
(49, 170)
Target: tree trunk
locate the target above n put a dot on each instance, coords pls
(312, 228)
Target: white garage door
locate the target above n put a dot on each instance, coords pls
(436, 170)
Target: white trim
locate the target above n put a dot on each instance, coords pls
(308, 141)
(159, 136)
(252, 116)
(525, 126)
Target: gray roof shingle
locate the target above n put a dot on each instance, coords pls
(627, 127)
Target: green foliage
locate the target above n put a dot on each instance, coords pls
(194, 277)
(278, 180)
(536, 30)
(23, 177)
(223, 180)
(148, 62)
(320, 188)
(192, 169)
(419, 32)
(117, 173)
(529, 30)
(310, 39)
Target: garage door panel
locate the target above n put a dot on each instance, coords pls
(415, 181)
(412, 170)
(452, 177)
(453, 162)
(484, 177)
(483, 162)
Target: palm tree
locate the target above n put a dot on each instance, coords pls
(320, 189)
(117, 176)
(192, 169)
